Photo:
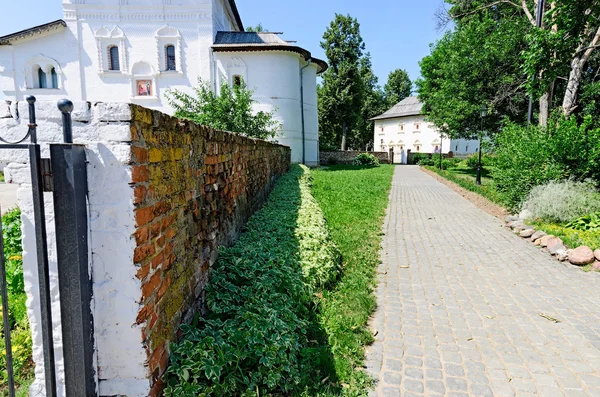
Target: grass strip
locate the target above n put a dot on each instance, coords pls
(353, 200)
(488, 191)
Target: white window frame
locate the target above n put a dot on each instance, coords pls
(166, 36)
(46, 64)
(104, 40)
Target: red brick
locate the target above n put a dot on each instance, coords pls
(163, 288)
(143, 272)
(142, 252)
(139, 194)
(139, 173)
(142, 235)
(143, 216)
(143, 314)
(158, 260)
(160, 242)
(152, 284)
(139, 154)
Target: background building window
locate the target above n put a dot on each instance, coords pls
(170, 57)
(418, 148)
(42, 79)
(113, 58)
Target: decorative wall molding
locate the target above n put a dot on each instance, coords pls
(106, 38)
(154, 16)
(165, 36)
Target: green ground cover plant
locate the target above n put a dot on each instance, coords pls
(20, 331)
(353, 200)
(572, 238)
(465, 178)
(263, 334)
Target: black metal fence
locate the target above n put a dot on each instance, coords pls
(64, 173)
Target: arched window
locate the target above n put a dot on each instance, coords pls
(54, 78)
(113, 58)
(42, 78)
(418, 148)
(237, 80)
(170, 57)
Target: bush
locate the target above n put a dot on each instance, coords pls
(366, 159)
(586, 222)
(416, 157)
(562, 201)
(486, 161)
(427, 161)
(20, 331)
(532, 156)
(260, 335)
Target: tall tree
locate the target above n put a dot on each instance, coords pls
(398, 87)
(258, 28)
(373, 105)
(341, 93)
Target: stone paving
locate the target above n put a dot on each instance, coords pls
(462, 302)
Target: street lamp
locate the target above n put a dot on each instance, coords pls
(484, 112)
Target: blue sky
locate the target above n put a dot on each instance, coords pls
(396, 32)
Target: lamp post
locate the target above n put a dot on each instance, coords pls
(484, 113)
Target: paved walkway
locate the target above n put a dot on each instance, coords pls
(460, 305)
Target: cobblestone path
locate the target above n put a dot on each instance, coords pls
(461, 301)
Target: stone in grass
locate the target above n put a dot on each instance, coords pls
(582, 256)
(597, 255)
(545, 239)
(538, 235)
(511, 218)
(514, 224)
(556, 248)
(596, 265)
(527, 233)
(563, 255)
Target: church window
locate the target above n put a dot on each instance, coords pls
(418, 148)
(417, 126)
(456, 149)
(54, 77)
(42, 79)
(113, 58)
(170, 57)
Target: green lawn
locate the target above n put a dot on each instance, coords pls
(465, 178)
(353, 200)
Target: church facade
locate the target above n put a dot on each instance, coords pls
(136, 50)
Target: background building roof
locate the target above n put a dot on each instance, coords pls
(34, 31)
(407, 107)
(261, 41)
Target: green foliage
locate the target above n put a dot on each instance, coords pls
(486, 160)
(475, 64)
(562, 201)
(528, 157)
(416, 157)
(341, 95)
(258, 28)
(230, 110)
(354, 202)
(366, 159)
(398, 87)
(571, 237)
(586, 222)
(261, 335)
(20, 332)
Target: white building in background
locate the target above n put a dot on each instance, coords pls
(135, 50)
(403, 130)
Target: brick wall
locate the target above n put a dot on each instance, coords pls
(346, 157)
(194, 188)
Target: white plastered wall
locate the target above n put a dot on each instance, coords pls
(105, 130)
(274, 76)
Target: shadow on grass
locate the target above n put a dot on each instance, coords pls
(262, 331)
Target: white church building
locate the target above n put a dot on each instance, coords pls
(404, 129)
(135, 50)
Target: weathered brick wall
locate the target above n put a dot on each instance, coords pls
(194, 188)
(346, 157)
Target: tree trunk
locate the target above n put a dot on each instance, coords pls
(546, 105)
(344, 135)
(577, 65)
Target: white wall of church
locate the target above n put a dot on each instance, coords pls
(275, 79)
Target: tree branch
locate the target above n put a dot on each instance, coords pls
(527, 12)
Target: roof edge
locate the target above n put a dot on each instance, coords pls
(236, 15)
(276, 47)
(396, 116)
(4, 40)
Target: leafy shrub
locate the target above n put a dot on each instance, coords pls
(416, 157)
(229, 110)
(586, 222)
(530, 156)
(562, 201)
(366, 159)
(260, 335)
(20, 331)
(427, 161)
(486, 161)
